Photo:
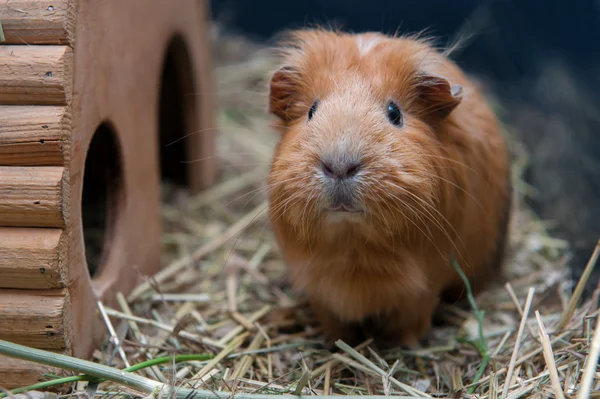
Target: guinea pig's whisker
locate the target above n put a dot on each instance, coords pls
(282, 207)
(243, 165)
(260, 189)
(313, 191)
(428, 236)
(222, 156)
(450, 160)
(217, 128)
(427, 208)
(304, 202)
(256, 192)
(383, 217)
(438, 223)
(386, 220)
(420, 217)
(370, 217)
(399, 206)
(224, 91)
(208, 129)
(201, 159)
(456, 186)
(220, 128)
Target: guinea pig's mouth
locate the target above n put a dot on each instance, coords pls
(343, 209)
(341, 199)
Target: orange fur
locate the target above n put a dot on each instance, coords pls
(435, 189)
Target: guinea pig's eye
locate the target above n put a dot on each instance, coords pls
(394, 114)
(313, 109)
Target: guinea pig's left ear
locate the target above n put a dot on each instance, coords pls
(437, 96)
(282, 91)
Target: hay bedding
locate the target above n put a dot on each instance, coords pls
(231, 300)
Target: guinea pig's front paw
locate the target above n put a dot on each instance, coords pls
(334, 329)
(412, 343)
(398, 339)
(347, 333)
(406, 329)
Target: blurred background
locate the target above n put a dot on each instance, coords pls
(539, 61)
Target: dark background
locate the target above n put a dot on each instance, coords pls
(511, 37)
(540, 58)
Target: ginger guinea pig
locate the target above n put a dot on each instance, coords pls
(390, 166)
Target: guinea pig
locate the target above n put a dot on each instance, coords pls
(390, 170)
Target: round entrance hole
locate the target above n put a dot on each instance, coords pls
(176, 113)
(102, 197)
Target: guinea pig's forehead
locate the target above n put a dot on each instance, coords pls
(390, 59)
(372, 60)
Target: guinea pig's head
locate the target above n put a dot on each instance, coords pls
(359, 118)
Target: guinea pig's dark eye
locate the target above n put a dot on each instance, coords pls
(313, 109)
(394, 114)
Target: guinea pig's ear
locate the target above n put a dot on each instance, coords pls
(282, 91)
(437, 96)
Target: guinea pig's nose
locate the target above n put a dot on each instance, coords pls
(340, 170)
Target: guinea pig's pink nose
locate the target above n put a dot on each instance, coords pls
(340, 170)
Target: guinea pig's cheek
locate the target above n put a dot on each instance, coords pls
(391, 162)
(407, 176)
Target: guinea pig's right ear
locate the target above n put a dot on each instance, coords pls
(438, 96)
(283, 92)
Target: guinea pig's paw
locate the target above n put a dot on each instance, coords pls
(335, 329)
(398, 338)
(348, 335)
(407, 329)
(410, 342)
(328, 343)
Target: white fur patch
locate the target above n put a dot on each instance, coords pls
(366, 44)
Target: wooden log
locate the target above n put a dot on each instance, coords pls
(37, 22)
(31, 258)
(16, 373)
(35, 75)
(35, 318)
(31, 196)
(33, 135)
